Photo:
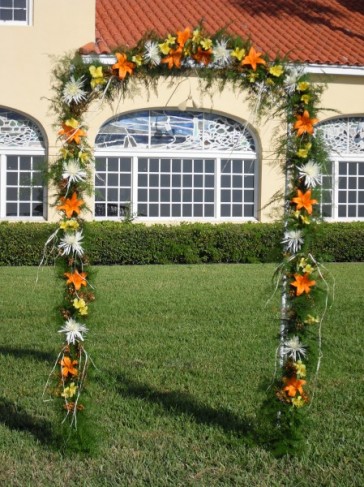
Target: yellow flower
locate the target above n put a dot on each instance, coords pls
(305, 266)
(69, 391)
(302, 153)
(84, 156)
(206, 43)
(311, 320)
(276, 70)
(305, 219)
(238, 53)
(303, 85)
(171, 39)
(72, 122)
(298, 401)
(196, 36)
(137, 59)
(300, 368)
(80, 305)
(69, 225)
(65, 153)
(164, 47)
(97, 76)
(305, 99)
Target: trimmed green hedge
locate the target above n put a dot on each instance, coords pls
(118, 243)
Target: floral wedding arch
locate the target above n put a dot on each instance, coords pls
(271, 85)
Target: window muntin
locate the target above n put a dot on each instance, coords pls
(183, 165)
(343, 181)
(15, 11)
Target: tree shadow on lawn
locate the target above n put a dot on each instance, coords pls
(263, 431)
(179, 402)
(28, 353)
(16, 418)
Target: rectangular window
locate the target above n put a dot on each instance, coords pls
(113, 187)
(237, 188)
(22, 186)
(176, 188)
(350, 191)
(15, 12)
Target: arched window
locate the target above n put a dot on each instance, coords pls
(22, 155)
(171, 164)
(345, 177)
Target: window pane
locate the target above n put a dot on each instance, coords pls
(12, 178)
(20, 15)
(99, 209)
(165, 180)
(113, 164)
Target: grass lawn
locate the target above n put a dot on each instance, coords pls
(182, 352)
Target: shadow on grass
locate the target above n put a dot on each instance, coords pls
(28, 353)
(16, 418)
(179, 402)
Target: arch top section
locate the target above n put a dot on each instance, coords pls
(175, 130)
(19, 131)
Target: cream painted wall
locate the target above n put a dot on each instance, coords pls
(27, 54)
(61, 27)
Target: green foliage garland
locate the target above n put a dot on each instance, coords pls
(269, 84)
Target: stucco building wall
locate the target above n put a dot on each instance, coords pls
(26, 86)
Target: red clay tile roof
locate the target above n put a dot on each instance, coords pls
(313, 31)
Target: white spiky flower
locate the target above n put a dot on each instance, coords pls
(73, 172)
(293, 240)
(71, 243)
(291, 79)
(73, 331)
(311, 174)
(221, 53)
(293, 348)
(151, 53)
(73, 92)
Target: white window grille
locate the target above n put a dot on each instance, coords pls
(175, 165)
(343, 193)
(15, 12)
(22, 159)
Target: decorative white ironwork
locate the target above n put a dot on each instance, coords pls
(18, 131)
(168, 129)
(344, 135)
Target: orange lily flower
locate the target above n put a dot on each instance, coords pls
(68, 366)
(71, 205)
(174, 58)
(253, 58)
(302, 283)
(78, 279)
(182, 37)
(304, 123)
(72, 134)
(123, 66)
(293, 385)
(303, 200)
(203, 56)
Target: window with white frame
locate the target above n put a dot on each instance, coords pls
(343, 193)
(15, 12)
(22, 156)
(168, 164)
